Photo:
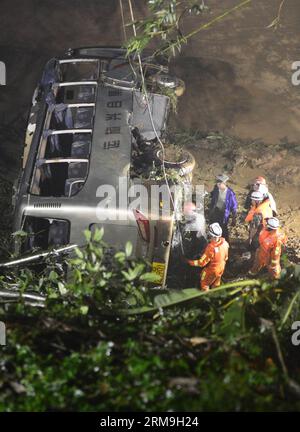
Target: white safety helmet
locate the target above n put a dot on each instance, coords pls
(222, 178)
(273, 223)
(214, 230)
(257, 196)
(263, 189)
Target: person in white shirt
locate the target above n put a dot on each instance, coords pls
(260, 185)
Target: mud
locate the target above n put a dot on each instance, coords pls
(244, 160)
(238, 73)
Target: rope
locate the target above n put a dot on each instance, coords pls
(148, 106)
(125, 36)
(123, 20)
(150, 113)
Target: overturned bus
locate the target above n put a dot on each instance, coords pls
(90, 125)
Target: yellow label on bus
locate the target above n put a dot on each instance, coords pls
(159, 269)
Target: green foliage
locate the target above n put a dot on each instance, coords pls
(158, 174)
(102, 279)
(78, 353)
(164, 24)
(171, 95)
(20, 234)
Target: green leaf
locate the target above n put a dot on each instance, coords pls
(128, 249)
(98, 234)
(62, 288)
(133, 273)
(52, 276)
(84, 310)
(150, 277)
(289, 309)
(20, 233)
(139, 268)
(120, 256)
(87, 235)
(76, 262)
(126, 275)
(79, 253)
(77, 275)
(233, 321)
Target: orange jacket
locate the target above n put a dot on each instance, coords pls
(215, 254)
(270, 244)
(263, 209)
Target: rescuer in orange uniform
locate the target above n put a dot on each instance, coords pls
(214, 258)
(259, 212)
(271, 239)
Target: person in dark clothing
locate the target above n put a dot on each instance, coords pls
(223, 205)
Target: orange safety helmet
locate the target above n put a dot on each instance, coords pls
(260, 180)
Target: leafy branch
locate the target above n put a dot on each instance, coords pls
(165, 24)
(276, 21)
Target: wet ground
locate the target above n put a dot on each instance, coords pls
(239, 72)
(243, 160)
(238, 77)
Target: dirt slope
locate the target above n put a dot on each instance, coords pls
(238, 72)
(243, 160)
